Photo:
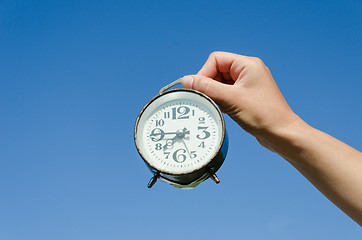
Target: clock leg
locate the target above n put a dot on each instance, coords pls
(153, 180)
(214, 177)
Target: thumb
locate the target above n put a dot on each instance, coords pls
(219, 92)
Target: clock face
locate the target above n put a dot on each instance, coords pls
(179, 132)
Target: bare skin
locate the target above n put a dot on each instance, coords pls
(244, 89)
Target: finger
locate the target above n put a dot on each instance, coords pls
(219, 92)
(224, 63)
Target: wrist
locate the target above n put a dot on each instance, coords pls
(287, 140)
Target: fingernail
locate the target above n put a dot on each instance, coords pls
(187, 81)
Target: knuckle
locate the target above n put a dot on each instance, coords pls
(267, 69)
(256, 62)
(215, 54)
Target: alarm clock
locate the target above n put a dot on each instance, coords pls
(180, 134)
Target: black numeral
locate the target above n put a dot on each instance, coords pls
(167, 154)
(202, 145)
(158, 146)
(179, 155)
(206, 133)
(183, 112)
(157, 134)
(160, 122)
(201, 120)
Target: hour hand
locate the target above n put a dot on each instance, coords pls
(158, 134)
(169, 143)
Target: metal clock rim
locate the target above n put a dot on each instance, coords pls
(168, 92)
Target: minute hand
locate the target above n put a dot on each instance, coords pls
(186, 147)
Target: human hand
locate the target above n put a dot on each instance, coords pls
(244, 88)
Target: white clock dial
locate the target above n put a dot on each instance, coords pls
(179, 133)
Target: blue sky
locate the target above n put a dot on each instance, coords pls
(75, 74)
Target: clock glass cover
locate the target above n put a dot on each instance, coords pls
(179, 132)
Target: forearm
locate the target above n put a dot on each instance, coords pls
(330, 165)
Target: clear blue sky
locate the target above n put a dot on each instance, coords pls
(75, 74)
